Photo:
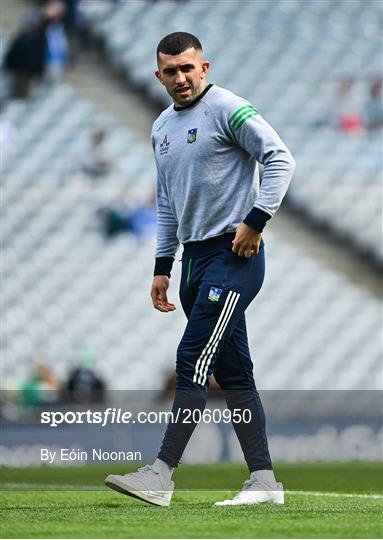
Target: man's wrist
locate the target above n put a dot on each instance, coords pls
(163, 266)
(256, 219)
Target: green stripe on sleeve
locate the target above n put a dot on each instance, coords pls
(238, 112)
(237, 121)
(239, 116)
(246, 117)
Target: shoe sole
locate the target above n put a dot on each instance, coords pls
(249, 503)
(114, 483)
(277, 498)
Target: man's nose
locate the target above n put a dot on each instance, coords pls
(180, 79)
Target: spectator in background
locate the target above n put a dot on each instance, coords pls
(140, 220)
(70, 19)
(374, 106)
(346, 113)
(40, 47)
(56, 57)
(83, 385)
(76, 27)
(41, 387)
(96, 162)
(25, 58)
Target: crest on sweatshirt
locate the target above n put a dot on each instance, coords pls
(192, 135)
(164, 146)
(214, 294)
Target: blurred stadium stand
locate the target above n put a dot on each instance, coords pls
(287, 62)
(65, 287)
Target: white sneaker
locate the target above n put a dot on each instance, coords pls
(256, 492)
(145, 484)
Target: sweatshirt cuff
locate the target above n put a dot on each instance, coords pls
(256, 219)
(163, 266)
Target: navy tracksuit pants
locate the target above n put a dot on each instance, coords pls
(216, 288)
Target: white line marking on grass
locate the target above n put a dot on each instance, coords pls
(50, 487)
(70, 487)
(334, 494)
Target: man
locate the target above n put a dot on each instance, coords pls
(36, 48)
(206, 146)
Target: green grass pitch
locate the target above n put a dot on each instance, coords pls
(342, 500)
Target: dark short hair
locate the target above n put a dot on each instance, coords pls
(178, 42)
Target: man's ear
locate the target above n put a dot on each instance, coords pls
(158, 75)
(205, 68)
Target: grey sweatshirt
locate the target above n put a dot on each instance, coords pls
(207, 176)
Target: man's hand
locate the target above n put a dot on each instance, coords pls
(246, 241)
(158, 293)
